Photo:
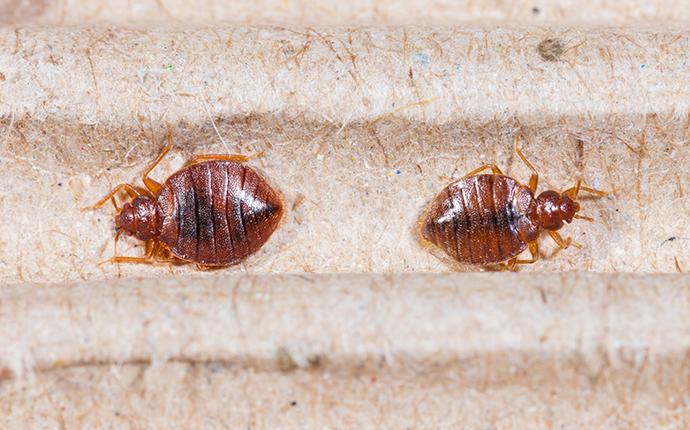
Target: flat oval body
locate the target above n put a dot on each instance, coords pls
(474, 220)
(217, 213)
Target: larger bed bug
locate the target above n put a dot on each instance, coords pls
(215, 211)
(487, 219)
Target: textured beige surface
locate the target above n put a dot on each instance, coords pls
(359, 129)
(353, 12)
(220, 396)
(347, 320)
(594, 351)
(359, 123)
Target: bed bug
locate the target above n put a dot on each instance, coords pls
(486, 219)
(215, 211)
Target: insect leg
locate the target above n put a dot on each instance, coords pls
(163, 255)
(128, 188)
(225, 157)
(513, 262)
(534, 179)
(122, 259)
(150, 248)
(563, 243)
(534, 250)
(117, 237)
(204, 268)
(153, 186)
(117, 208)
(153, 253)
(510, 264)
(494, 169)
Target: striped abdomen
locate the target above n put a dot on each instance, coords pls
(217, 213)
(474, 220)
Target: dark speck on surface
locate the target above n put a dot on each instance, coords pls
(550, 49)
(670, 239)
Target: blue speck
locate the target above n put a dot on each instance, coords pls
(422, 58)
(397, 172)
(642, 66)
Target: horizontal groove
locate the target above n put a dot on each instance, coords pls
(349, 322)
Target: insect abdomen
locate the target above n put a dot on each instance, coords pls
(473, 220)
(217, 212)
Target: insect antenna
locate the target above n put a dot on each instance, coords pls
(594, 191)
(131, 191)
(586, 218)
(575, 191)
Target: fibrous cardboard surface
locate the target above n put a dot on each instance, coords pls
(459, 350)
(354, 12)
(358, 128)
(359, 113)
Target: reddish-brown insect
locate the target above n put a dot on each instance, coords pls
(491, 218)
(214, 211)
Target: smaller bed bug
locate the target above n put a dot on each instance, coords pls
(215, 211)
(489, 219)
